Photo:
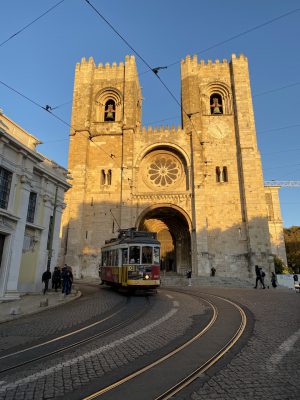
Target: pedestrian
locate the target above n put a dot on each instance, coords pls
(263, 275)
(189, 277)
(67, 278)
(70, 278)
(258, 272)
(56, 277)
(213, 271)
(45, 278)
(274, 280)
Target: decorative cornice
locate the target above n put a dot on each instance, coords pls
(162, 196)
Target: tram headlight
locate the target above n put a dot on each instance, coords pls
(146, 276)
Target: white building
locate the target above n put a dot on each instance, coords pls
(31, 201)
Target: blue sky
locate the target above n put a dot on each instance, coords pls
(40, 63)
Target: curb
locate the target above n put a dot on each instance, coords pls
(40, 309)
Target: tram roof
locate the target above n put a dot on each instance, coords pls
(132, 236)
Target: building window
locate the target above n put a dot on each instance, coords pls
(106, 177)
(216, 104)
(110, 111)
(102, 177)
(224, 175)
(31, 207)
(221, 174)
(5, 184)
(218, 174)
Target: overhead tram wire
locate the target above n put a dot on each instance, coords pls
(45, 108)
(48, 109)
(154, 70)
(236, 36)
(31, 23)
(276, 89)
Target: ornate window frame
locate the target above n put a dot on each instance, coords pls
(222, 90)
(101, 99)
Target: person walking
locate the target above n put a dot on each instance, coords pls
(67, 278)
(258, 271)
(46, 278)
(56, 277)
(189, 277)
(274, 280)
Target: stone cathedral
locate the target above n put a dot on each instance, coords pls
(200, 186)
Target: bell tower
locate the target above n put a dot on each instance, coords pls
(106, 112)
(229, 201)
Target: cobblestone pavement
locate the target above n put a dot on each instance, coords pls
(164, 321)
(95, 301)
(267, 367)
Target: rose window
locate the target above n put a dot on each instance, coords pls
(164, 171)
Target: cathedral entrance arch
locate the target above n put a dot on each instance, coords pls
(173, 231)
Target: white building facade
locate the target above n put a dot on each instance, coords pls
(32, 190)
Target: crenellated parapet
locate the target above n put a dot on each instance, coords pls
(190, 65)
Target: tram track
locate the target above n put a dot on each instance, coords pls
(118, 389)
(11, 366)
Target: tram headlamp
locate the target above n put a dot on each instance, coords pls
(146, 276)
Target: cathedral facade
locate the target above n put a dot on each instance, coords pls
(200, 186)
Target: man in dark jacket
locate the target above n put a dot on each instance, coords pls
(258, 272)
(46, 278)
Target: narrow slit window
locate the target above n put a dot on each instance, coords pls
(102, 177)
(224, 175)
(218, 174)
(109, 175)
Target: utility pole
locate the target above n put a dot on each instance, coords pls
(193, 205)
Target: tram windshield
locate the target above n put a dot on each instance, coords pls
(134, 254)
(146, 255)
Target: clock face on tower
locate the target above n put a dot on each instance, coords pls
(218, 130)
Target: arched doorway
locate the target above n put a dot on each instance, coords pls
(173, 232)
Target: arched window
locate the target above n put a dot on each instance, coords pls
(224, 175)
(216, 104)
(110, 111)
(218, 174)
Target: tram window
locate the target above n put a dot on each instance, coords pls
(147, 255)
(109, 261)
(104, 259)
(156, 255)
(117, 258)
(113, 258)
(124, 256)
(134, 254)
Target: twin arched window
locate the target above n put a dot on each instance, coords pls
(221, 174)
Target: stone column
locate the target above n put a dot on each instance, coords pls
(43, 252)
(18, 239)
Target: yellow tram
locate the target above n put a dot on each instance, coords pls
(131, 260)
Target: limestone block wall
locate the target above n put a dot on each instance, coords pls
(210, 176)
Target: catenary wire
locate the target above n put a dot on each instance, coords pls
(31, 23)
(49, 110)
(218, 44)
(154, 70)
